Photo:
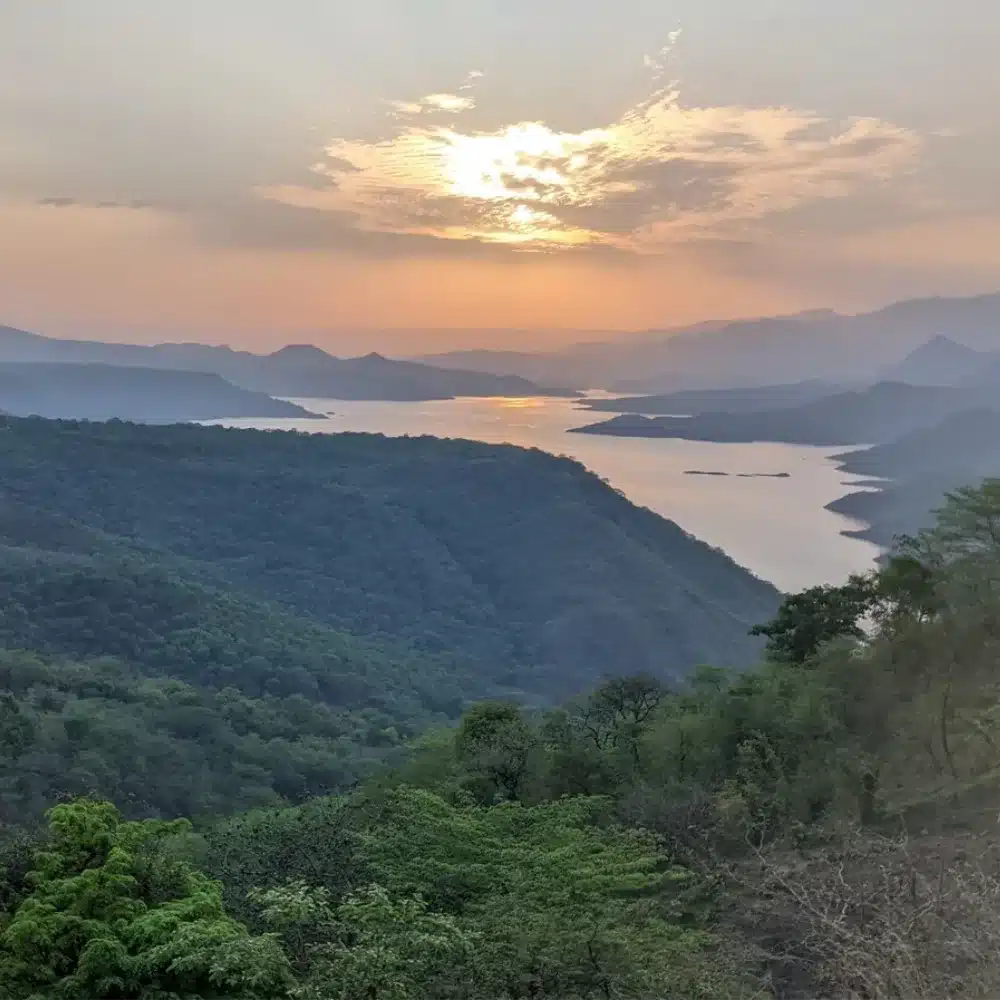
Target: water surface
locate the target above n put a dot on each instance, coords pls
(775, 527)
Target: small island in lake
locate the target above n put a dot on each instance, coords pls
(740, 475)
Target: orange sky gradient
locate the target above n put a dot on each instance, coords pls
(355, 176)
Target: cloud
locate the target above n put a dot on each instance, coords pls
(657, 63)
(439, 102)
(134, 205)
(452, 103)
(449, 102)
(662, 173)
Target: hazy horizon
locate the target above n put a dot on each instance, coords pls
(409, 180)
(430, 341)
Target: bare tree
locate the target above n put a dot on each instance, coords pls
(883, 919)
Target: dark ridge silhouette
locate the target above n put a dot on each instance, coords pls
(697, 401)
(869, 416)
(149, 395)
(917, 470)
(298, 370)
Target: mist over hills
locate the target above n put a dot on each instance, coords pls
(929, 416)
(920, 341)
(755, 352)
(939, 361)
(295, 370)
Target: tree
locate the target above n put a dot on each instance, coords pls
(267, 848)
(373, 946)
(561, 904)
(493, 744)
(109, 915)
(906, 588)
(808, 620)
(616, 714)
(968, 523)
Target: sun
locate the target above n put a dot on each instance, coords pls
(522, 175)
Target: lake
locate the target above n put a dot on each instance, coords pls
(777, 528)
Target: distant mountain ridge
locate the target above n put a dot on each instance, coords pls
(921, 467)
(295, 370)
(868, 416)
(81, 391)
(757, 352)
(939, 361)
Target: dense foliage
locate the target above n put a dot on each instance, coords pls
(309, 603)
(812, 827)
(524, 569)
(159, 746)
(105, 914)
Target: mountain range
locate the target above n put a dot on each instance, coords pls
(940, 361)
(754, 352)
(302, 371)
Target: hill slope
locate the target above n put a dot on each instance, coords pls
(105, 392)
(880, 413)
(694, 401)
(921, 467)
(939, 361)
(524, 568)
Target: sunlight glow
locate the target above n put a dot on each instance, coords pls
(520, 403)
(661, 173)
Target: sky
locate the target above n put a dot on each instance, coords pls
(414, 177)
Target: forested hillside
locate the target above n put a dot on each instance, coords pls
(313, 602)
(523, 567)
(821, 826)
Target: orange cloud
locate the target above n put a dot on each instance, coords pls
(660, 174)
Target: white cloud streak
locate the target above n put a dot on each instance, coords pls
(662, 173)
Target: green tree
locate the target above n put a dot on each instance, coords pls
(808, 620)
(264, 849)
(371, 947)
(561, 904)
(494, 745)
(906, 588)
(110, 916)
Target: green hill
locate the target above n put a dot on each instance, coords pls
(524, 567)
(384, 582)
